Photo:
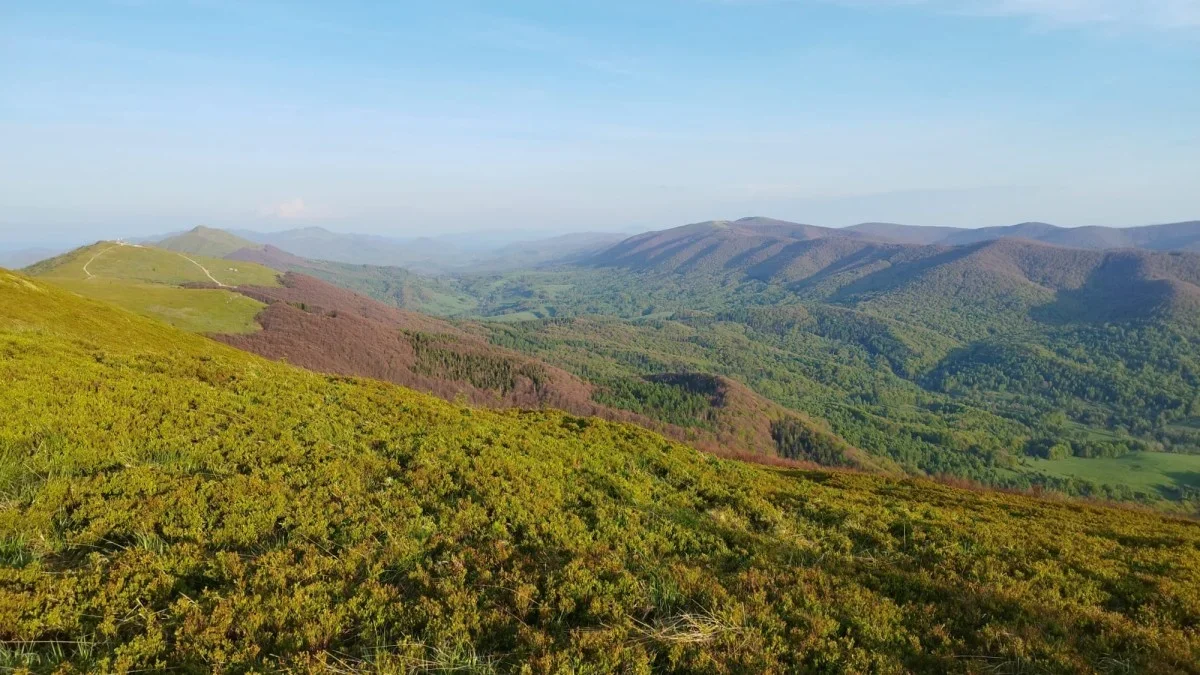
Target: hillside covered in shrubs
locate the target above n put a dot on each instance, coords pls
(167, 502)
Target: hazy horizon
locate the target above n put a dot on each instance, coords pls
(490, 236)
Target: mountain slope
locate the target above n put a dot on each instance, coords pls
(321, 327)
(1168, 237)
(1006, 280)
(170, 503)
(1183, 236)
(205, 241)
(984, 282)
(561, 249)
(318, 326)
(394, 285)
(436, 255)
(713, 246)
(152, 282)
(1030, 231)
(311, 323)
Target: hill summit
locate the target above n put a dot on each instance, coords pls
(206, 241)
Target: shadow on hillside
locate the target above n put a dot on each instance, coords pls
(694, 261)
(739, 260)
(1186, 478)
(899, 274)
(820, 262)
(1116, 290)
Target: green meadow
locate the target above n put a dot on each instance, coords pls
(1138, 470)
(151, 282)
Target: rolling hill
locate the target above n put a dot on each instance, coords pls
(838, 350)
(395, 286)
(730, 245)
(170, 503)
(152, 282)
(314, 324)
(712, 246)
(1184, 236)
(205, 241)
(435, 254)
(983, 282)
(979, 360)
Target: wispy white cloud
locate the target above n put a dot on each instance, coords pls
(1156, 14)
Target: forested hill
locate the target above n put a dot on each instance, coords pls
(1010, 362)
(741, 244)
(1184, 236)
(169, 503)
(999, 277)
(712, 246)
(319, 326)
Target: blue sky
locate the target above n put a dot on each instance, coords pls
(136, 116)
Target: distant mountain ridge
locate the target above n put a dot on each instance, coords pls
(723, 244)
(993, 275)
(18, 258)
(1182, 236)
(713, 245)
(433, 254)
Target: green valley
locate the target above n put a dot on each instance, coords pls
(973, 362)
(962, 361)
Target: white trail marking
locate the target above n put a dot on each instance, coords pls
(121, 243)
(93, 259)
(202, 269)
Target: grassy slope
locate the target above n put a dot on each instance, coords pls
(195, 310)
(328, 336)
(172, 503)
(206, 241)
(148, 281)
(151, 265)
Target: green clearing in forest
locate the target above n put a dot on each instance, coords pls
(1138, 470)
